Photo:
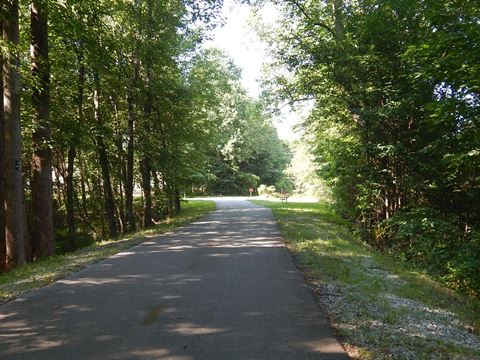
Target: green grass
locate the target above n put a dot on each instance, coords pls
(328, 253)
(44, 272)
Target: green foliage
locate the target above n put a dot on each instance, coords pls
(395, 118)
(421, 235)
(303, 171)
(130, 91)
(425, 237)
(242, 146)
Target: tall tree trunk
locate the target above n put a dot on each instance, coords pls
(14, 235)
(84, 185)
(121, 207)
(178, 202)
(120, 186)
(70, 204)
(158, 212)
(103, 158)
(42, 200)
(3, 245)
(145, 161)
(147, 191)
(338, 15)
(130, 164)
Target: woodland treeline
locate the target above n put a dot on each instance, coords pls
(112, 112)
(395, 122)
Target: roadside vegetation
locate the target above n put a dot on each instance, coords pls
(119, 111)
(46, 271)
(393, 88)
(381, 307)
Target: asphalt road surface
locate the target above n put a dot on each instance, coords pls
(223, 288)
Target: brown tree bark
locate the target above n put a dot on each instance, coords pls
(103, 158)
(145, 164)
(41, 186)
(15, 242)
(178, 202)
(72, 153)
(69, 205)
(145, 168)
(130, 166)
(84, 185)
(120, 185)
(145, 161)
(3, 245)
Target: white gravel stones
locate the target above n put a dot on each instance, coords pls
(391, 326)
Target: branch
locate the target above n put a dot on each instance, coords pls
(314, 22)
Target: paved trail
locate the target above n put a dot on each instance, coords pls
(222, 288)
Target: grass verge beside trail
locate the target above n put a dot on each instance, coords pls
(380, 307)
(46, 271)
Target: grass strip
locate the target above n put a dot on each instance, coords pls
(382, 308)
(46, 271)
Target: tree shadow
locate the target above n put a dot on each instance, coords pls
(223, 287)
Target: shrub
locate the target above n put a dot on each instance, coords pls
(463, 269)
(419, 234)
(429, 239)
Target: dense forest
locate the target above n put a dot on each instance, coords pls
(112, 112)
(395, 122)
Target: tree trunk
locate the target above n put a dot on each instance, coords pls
(84, 184)
(14, 235)
(42, 200)
(59, 185)
(147, 191)
(120, 186)
(130, 165)
(70, 207)
(3, 245)
(70, 204)
(145, 161)
(178, 202)
(120, 207)
(103, 158)
(338, 15)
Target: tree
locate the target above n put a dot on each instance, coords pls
(15, 242)
(41, 186)
(395, 119)
(116, 108)
(244, 150)
(3, 246)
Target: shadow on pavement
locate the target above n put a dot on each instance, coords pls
(223, 287)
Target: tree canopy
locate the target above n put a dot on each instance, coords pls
(120, 112)
(395, 120)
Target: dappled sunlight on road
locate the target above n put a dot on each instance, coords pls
(90, 281)
(188, 329)
(199, 293)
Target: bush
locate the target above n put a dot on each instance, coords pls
(419, 234)
(429, 239)
(463, 269)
